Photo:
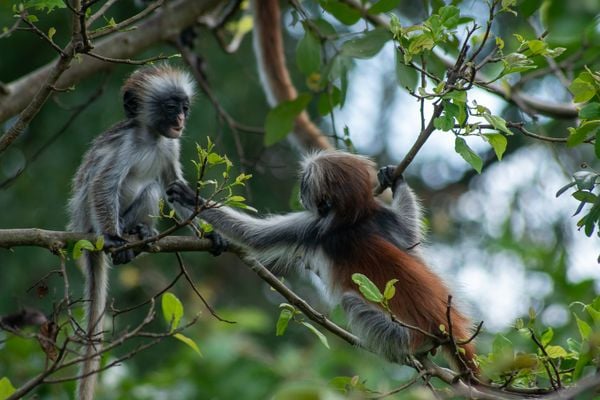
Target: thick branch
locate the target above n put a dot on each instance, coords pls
(169, 20)
(56, 240)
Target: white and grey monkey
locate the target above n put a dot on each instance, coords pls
(346, 230)
(119, 183)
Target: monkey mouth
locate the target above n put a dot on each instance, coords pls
(176, 131)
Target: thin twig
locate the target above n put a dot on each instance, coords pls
(125, 23)
(554, 381)
(202, 299)
(128, 60)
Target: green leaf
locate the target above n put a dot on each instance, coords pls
(80, 246)
(367, 288)
(537, 46)
(327, 101)
(406, 76)
(461, 147)
(593, 312)
(308, 53)
(324, 27)
(237, 198)
(367, 45)
(445, 122)
(498, 143)
(497, 122)
(390, 289)
(502, 347)
(32, 18)
(590, 111)
(458, 97)
(214, 158)
(584, 329)
(282, 323)
(41, 5)
(580, 134)
(449, 16)
(516, 62)
(584, 360)
(556, 352)
(597, 145)
(419, 43)
(280, 119)
(314, 330)
(585, 196)
(383, 6)
(582, 90)
(342, 12)
(6, 388)
(189, 342)
(51, 32)
(547, 336)
(99, 243)
(172, 310)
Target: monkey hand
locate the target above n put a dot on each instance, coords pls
(119, 257)
(180, 192)
(219, 243)
(143, 231)
(386, 178)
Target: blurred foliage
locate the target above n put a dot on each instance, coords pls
(489, 220)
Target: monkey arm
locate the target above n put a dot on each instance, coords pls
(375, 328)
(256, 233)
(405, 205)
(259, 233)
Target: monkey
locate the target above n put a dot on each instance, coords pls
(116, 190)
(274, 75)
(344, 230)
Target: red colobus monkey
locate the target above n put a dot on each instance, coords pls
(119, 183)
(346, 230)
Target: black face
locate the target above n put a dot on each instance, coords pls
(169, 113)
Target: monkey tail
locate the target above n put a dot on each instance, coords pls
(274, 75)
(95, 266)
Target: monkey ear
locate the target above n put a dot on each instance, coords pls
(130, 103)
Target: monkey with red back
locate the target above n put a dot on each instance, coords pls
(346, 230)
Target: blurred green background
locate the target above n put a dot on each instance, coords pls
(501, 237)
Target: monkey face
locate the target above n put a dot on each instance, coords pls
(168, 113)
(172, 115)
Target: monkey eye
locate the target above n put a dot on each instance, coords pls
(186, 108)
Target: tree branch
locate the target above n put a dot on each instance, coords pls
(160, 26)
(57, 240)
(556, 110)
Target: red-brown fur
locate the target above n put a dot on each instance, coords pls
(421, 296)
